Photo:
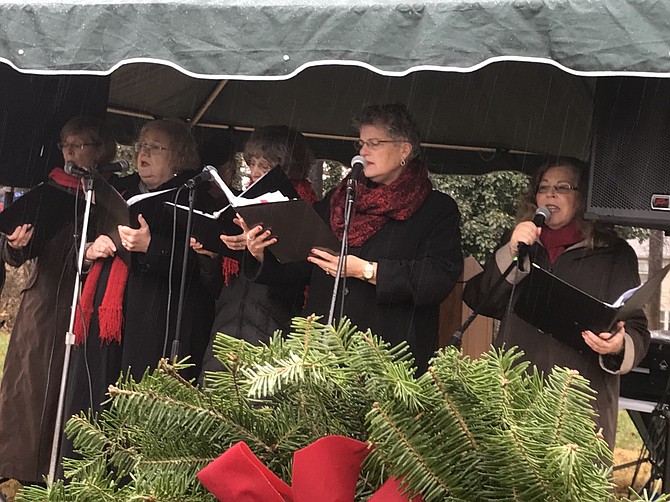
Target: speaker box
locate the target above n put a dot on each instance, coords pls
(33, 109)
(630, 162)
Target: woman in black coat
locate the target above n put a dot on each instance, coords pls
(246, 309)
(584, 255)
(121, 325)
(404, 241)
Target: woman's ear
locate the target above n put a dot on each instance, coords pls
(406, 149)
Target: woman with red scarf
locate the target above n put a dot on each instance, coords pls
(584, 255)
(246, 309)
(34, 362)
(121, 324)
(404, 240)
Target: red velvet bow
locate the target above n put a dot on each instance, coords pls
(326, 471)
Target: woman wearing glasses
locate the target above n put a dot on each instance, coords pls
(34, 361)
(404, 240)
(583, 254)
(121, 323)
(245, 309)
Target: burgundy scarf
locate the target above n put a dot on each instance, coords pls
(376, 205)
(230, 266)
(557, 241)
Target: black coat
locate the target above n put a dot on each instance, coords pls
(603, 272)
(145, 306)
(419, 261)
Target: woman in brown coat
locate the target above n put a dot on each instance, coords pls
(34, 362)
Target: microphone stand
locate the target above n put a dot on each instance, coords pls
(457, 337)
(182, 286)
(341, 262)
(69, 336)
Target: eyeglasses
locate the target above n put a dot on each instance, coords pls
(62, 145)
(372, 144)
(150, 149)
(261, 165)
(560, 188)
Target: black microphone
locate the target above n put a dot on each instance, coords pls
(201, 177)
(358, 163)
(542, 215)
(74, 170)
(119, 166)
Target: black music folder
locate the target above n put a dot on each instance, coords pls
(296, 225)
(208, 224)
(560, 309)
(112, 210)
(47, 207)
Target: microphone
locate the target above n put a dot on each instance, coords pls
(201, 177)
(542, 215)
(73, 170)
(358, 163)
(119, 166)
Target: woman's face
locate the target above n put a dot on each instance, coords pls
(153, 159)
(383, 159)
(79, 148)
(258, 166)
(557, 192)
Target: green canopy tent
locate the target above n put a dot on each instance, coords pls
(488, 81)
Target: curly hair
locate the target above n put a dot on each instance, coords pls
(183, 148)
(93, 127)
(595, 233)
(396, 120)
(283, 146)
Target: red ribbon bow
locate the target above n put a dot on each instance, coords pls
(326, 470)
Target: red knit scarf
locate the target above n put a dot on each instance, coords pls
(110, 311)
(557, 241)
(64, 179)
(230, 266)
(376, 205)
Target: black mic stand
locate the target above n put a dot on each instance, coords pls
(350, 198)
(182, 286)
(69, 336)
(457, 336)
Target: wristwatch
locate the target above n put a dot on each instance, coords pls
(368, 271)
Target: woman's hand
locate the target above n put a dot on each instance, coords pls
(606, 343)
(525, 232)
(235, 242)
(21, 236)
(102, 247)
(136, 239)
(257, 238)
(328, 263)
(198, 248)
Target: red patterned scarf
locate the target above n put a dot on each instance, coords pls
(557, 241)
(376, 205)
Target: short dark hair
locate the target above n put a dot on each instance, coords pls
(183, 148)
(396, 120)
(97, 130)
(283, 146)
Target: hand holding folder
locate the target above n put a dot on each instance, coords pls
(560, 309)
(47, 207)
(208, 225)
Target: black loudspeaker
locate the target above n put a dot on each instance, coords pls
(33, 109)
(630, 162)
